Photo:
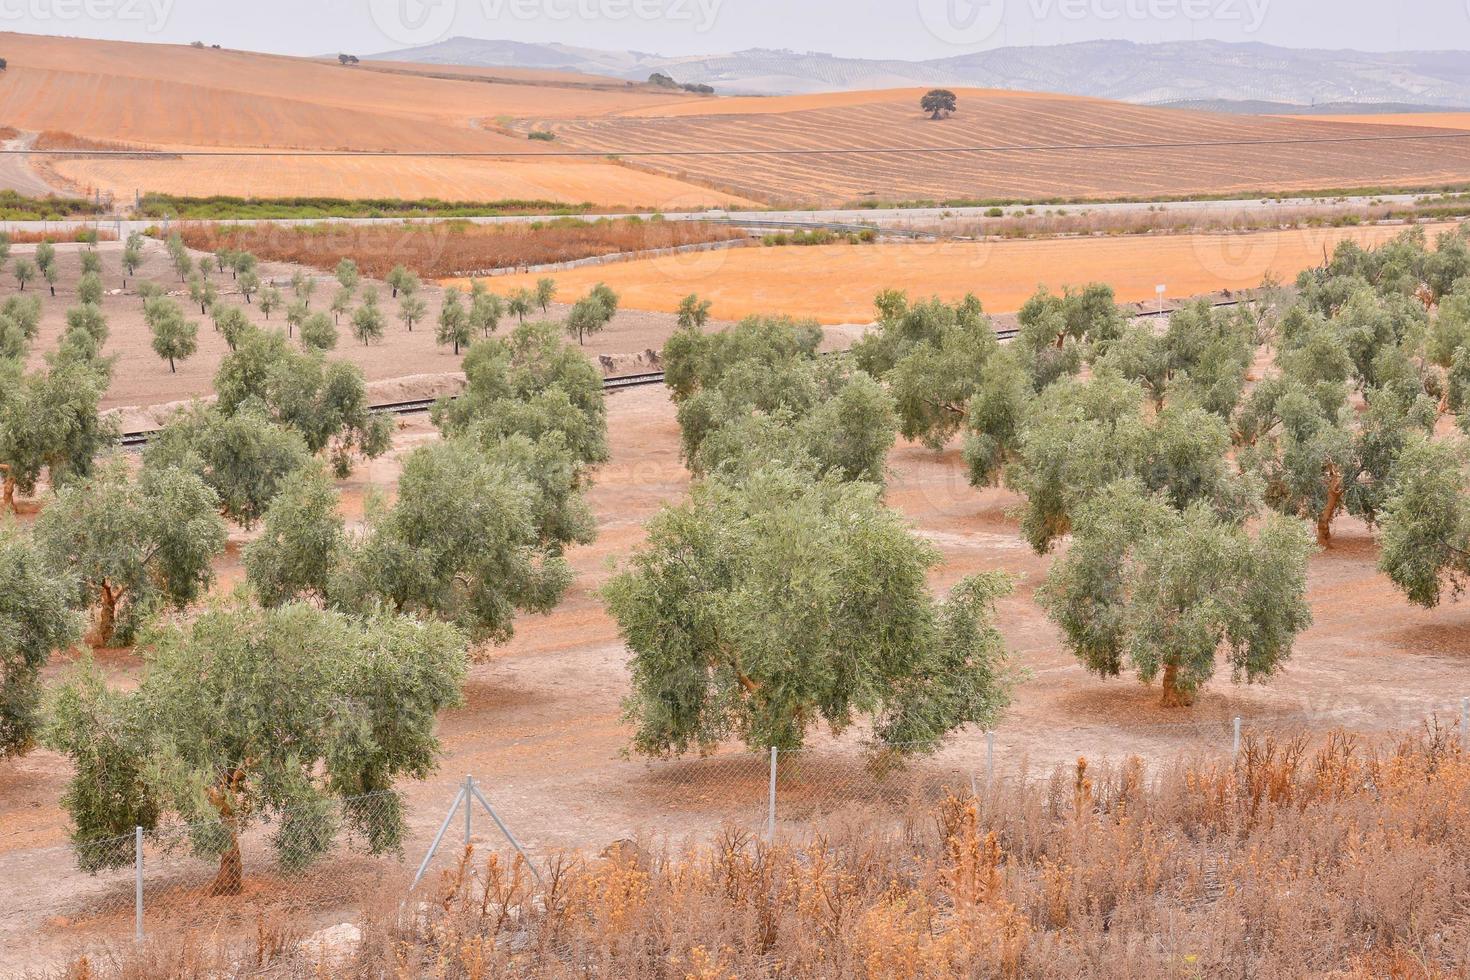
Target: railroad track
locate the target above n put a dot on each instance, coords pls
(137, 440)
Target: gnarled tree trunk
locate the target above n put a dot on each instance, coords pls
(230, 878)
(1174, 697)
(107, 614)
(1329, 510)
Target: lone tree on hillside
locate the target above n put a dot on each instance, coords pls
(939, 103)
(338, 711)
(1165, 590)
(764, 609)
(35, 619)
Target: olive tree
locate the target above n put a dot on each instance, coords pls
(1166, 591)
(545, 293)
(761, 609)
(302, 541)
(133, 544)
(454, 323)
(24, 271)
(693, 312)
(50, 421)
(531, 382)
(460, 543)
(592, 313)
(326, 402)
(36, 619)
(520, 304)
(412, 309)
(270, 301)
(174, 337)
(132, 255)
(318, 333)
(89, 288)
(1426, 523)
(348, 275)
(298, 716)
(486, 309)
(232, 323)
(1081, 436)
(368, 321)
(203, 292)
(243, 457)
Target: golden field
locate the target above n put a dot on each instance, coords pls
(837, 283)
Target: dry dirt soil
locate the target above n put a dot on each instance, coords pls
(542, 729)
(837, 283)
(142, 379)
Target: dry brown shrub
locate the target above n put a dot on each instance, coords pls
(1297, 858)
(452, 248)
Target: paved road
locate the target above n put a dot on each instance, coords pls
(884, 218)
(15, 169)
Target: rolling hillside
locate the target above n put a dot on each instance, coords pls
(1036, 147)
(182, 98)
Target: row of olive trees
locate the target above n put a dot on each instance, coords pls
(1131, 458)
(1099, 423)
(366, 631)
(783, 594)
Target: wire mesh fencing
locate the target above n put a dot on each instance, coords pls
(270, 878)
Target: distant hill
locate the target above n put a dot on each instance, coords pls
(1366, 109)
(1168, 73)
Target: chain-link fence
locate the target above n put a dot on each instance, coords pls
(312, 872)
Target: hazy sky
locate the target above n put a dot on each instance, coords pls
(863, 28)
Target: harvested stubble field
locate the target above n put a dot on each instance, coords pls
(1074, 148)
(1435, 120)
(178, 96)
(174, 97)
(836, 283)
(443, 249)
(459, 179)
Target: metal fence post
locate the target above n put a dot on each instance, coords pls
(1235, 750)
(771, 802)
(138, 883)
(469, 789)
(989, 761)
